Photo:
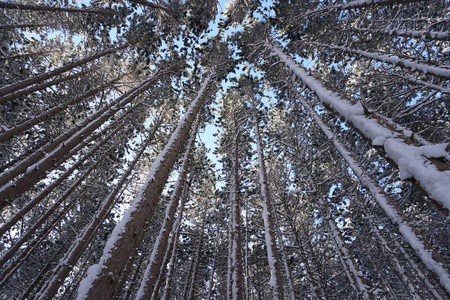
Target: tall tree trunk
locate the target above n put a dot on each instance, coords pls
(27, 124)
(19, 260)
(48, 189)
(64, 143)
(213, 267)
(47, 75)
(431, 174)
(151, 272)
(103, 277)
(287, 271)
(162, 271)
(353, 5)
(77, 248)
(235, 268)
(404, 63)
(20, 6)
(41, 86)
(416, 34)
(272, 253)
(347, 259)
(198, 254)
(171, 266)
(152, 5)
(24, 238)
(429, 257)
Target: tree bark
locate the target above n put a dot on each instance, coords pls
(235, 267)
(27, 124)
(429, 257)
(104, 276)
(47, 75)
(34, 171)
(41, 86)
(198, 254)
(146, 288)
(395, 143)
(354, 5)
(403, 63)
(24, 238)
(173, 256)
(287, 271)
(62, 270)
(416, 34)
(48, 189)
(272, 253)
(9, 5)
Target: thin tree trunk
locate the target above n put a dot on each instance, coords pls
(198, 254)
(159, 249)
(315, 287)
(443, 73)
(25, 55)
(416, 34)
(48, 189)
(152, 5)
(162, 271)
(347, 260)
(64, 143)
(27, 124)
(19, 260)
(41, 275)
(354, 5)
(9, 26)
(429, 173)
(187, 284)
(47, 75)
(429, 257)
(71, 257)
(134, 277)
(103, 277)
(272, 253)
(24, 238)
(20, 6)
(397, 265)
(246, 283)
(173, 257)
(290, 283)
(235, 268)
(213, 267)
(41, 86)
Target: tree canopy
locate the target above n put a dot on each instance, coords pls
(187, 149)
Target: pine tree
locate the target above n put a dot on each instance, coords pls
(329, 177)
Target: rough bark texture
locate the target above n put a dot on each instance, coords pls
(61, 271)
(107, 273)
(58, 148)
(47, 75)
(236, 270)
(270, 239)
(159, 249)
(392, 140)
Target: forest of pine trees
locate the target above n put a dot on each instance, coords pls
(243, 149)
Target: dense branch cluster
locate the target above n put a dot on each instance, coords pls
(329, 177)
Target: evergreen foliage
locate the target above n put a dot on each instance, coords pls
(327, 175)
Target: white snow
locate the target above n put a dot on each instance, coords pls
(413, 65)
(377, 193)
(86, 283)
(160, 244)
(412, 160)
(119, 229)
(412, 163)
